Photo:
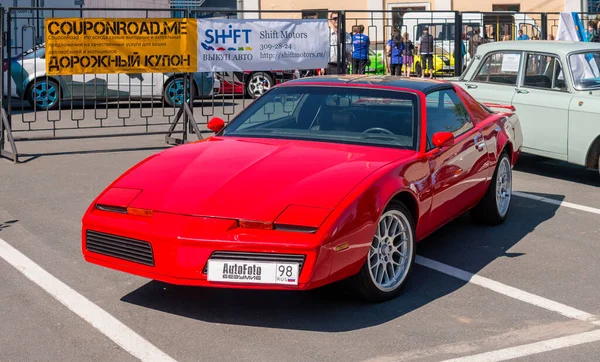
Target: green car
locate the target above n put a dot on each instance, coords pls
(376, 66)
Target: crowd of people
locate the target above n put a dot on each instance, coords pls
(400, 50)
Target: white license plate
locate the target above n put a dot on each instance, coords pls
(236, 271)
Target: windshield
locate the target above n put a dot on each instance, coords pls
(37, 52)
(332, 114)
(585, 70)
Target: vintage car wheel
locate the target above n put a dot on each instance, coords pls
(391, 256)
(494, 206)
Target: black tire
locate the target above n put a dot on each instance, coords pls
(418, 69)
(29, 96)
(168, 100)
(486, 211)
(255, 94)
(363, 282)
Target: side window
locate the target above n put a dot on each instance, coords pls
(544, 72)
(446, 113)
(500, 68)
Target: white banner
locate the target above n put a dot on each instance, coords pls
(239, 44)
(567, 30)
(581, 68)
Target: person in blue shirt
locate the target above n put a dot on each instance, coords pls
(522, 36)
(360, 50)
(395, 50)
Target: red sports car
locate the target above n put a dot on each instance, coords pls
(320, 179)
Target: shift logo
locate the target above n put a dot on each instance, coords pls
(227, 39)
(241, 272)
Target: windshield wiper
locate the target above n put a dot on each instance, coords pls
(252, 130)
(383, 138)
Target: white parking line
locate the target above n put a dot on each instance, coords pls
(508, 291)
(533, 348)
(96, 316)
(557, 202)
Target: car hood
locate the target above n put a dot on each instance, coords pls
(254, 179)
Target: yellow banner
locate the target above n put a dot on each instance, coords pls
(100, 46)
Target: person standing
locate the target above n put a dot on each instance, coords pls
(425, 50)
(334, 39)
(592, 33)
(475, 41)
(409, 51)
(360, 53)
(395, 48)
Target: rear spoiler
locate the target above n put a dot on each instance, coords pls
(496, 105)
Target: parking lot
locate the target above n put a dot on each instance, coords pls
(527, 289)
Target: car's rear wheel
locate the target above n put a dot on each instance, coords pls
(390, 257)
(44, 94)
(258, 84)
(495, 204)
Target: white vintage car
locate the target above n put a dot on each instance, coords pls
(30, 82)
(554, 87)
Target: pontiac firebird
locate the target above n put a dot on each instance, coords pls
(321, 179)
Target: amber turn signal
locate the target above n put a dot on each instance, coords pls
(341, 247)
(139, 212)
(247, 224)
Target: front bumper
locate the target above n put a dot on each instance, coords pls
(180, 247)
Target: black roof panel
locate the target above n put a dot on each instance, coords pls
(417, 84)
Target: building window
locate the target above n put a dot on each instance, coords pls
(509, 7)
(314, 14)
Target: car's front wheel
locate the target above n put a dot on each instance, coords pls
(493, 207)
(390, 257)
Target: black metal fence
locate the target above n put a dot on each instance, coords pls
(178, 105)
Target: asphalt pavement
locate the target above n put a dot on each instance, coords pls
(533, 279)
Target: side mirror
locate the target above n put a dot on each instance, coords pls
(216, 124)
(443, 139)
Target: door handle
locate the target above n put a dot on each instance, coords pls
(471, 86)
(479, 142)
(522, 91)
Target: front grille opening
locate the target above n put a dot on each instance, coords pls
(120, 247)
(267, 257)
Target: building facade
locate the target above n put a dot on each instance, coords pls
(379, 17)
(422, 5)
